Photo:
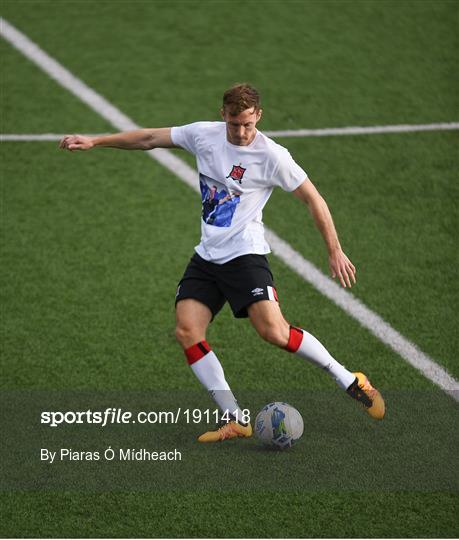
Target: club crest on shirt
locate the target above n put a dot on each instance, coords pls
(237, 172)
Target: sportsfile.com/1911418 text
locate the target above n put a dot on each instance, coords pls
(113, 415)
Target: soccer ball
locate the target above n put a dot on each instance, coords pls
(279, 425)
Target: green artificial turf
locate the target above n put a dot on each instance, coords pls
(318, 64)
(231, 515)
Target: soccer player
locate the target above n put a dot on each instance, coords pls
(238, 170)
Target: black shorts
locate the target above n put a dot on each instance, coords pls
(241, 281)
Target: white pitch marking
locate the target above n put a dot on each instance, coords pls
(33, 137)
(324, 132)
(361, 130)
(284, 251)
(366, 317)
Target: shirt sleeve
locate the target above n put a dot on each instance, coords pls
(288, 175)
(186, 136)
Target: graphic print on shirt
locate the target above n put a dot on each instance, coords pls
(218, 207)
(237, 172)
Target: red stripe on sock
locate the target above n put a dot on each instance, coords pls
(295, 339)
(197, 351)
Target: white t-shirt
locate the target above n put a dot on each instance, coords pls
(236, 183)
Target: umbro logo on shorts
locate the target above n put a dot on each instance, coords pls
(257, 291)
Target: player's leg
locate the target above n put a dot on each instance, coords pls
(267, 319)
(247, 283)
(198, 300)
(192, 319)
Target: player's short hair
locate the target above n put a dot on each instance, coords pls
(240, 97)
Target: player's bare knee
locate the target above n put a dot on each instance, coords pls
(187, 336)
(179, 334)
(273, 333)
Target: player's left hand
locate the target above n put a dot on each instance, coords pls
(342, 268)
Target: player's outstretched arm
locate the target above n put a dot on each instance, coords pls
(340, 265)
(140, 139)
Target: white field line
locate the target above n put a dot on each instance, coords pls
(325, 132)
(35, 137)
(353, 307)
(360, 130)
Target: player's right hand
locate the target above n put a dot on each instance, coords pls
(76, 142)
